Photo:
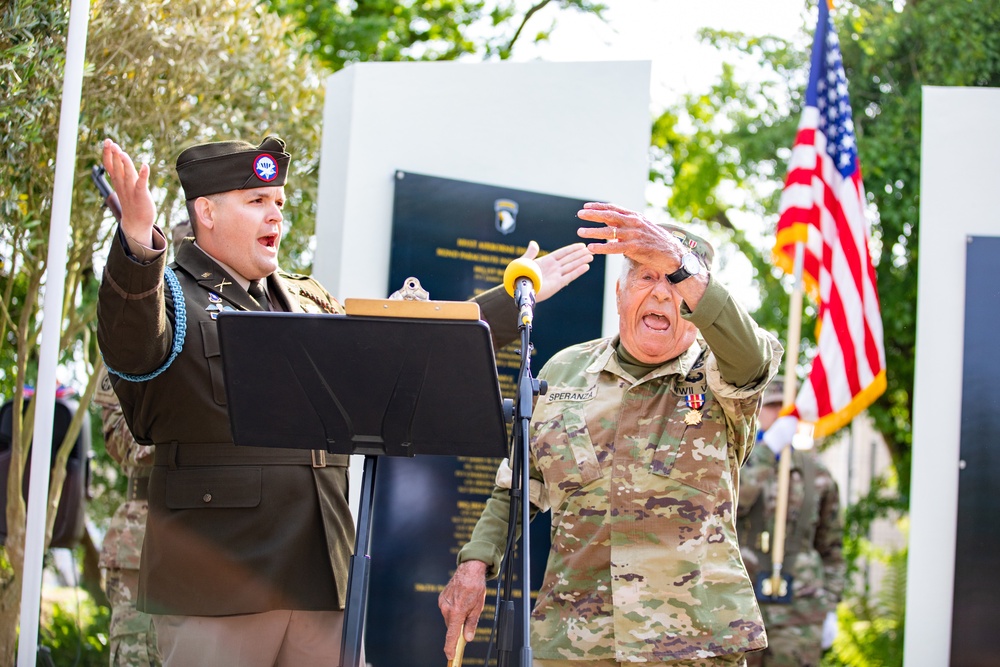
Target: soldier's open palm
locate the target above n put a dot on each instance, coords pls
(132, 188)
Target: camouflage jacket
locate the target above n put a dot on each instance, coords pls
(123, 541)
(814, 534)
(644, 564)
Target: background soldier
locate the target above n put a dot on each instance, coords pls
(797, 632)
(133, 640)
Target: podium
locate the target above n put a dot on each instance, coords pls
(377, 386)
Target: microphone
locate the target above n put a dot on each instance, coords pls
(522, 279)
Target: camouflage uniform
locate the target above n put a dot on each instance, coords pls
(812, 552)
(644, 565)
(132, 641)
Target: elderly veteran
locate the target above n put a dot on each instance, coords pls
(245, 559)
(637, 448)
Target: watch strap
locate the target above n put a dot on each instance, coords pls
(679, 275)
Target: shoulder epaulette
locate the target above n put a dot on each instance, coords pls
(294, 276)
(319, 300)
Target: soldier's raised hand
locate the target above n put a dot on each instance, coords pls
(132, 188)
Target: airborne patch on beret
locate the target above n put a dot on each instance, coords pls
(265, 167)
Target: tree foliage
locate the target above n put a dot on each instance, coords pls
(737, 136)
(341, 33)
(155, 81)
(32, 40)
(871, 634)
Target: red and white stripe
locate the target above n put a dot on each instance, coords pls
(826, 211)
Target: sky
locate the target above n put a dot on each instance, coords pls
(663, 32)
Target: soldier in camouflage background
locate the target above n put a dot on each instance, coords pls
(798, 631)
(636, 447)
(132, 640)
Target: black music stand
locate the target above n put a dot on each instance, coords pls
(362, 385)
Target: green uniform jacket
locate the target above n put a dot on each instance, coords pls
(231, 530)
(642, 477)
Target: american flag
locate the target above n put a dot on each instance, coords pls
(823, 207)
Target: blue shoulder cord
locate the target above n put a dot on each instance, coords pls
(180, 329)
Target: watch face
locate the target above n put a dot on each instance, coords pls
(691, 264)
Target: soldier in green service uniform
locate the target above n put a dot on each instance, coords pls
(798, 630)
(636, 448)
(245, 557)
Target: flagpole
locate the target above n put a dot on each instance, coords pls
(55, 269)
(788, 400)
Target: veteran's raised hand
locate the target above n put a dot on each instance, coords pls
(648, 244)
(629, 233)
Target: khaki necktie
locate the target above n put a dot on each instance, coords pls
(256, 290)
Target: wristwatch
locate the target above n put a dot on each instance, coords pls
(690, 266)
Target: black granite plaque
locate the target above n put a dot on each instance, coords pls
(977, 540)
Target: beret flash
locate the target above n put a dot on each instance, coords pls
(221, 166)
(699, 246)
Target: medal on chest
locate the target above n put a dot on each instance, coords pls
(695, 403)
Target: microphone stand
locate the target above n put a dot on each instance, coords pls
(527, 389)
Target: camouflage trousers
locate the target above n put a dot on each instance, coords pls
(790, 646)
(133, 640)
(731, 660)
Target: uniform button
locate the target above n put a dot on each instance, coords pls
(207, 497)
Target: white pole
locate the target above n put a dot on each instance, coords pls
(45, 392)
